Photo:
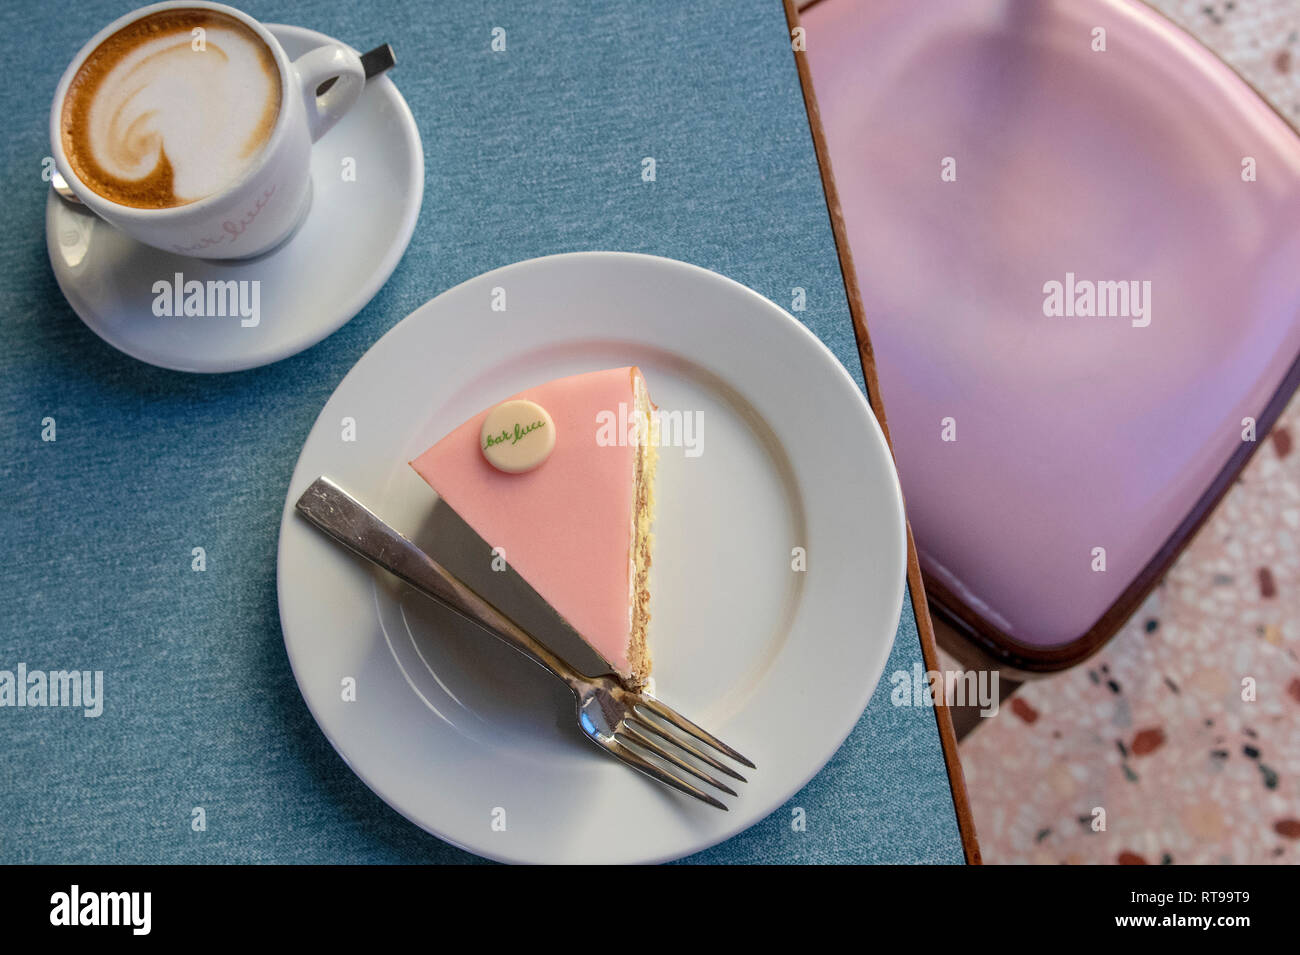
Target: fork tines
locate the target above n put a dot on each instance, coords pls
(661, 731)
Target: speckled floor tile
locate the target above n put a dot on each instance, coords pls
(1159, 730)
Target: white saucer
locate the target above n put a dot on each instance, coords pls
(342, 254)
(448, 725)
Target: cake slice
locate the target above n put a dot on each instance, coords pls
(560, 477)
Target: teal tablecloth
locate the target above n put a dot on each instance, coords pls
(531, 151)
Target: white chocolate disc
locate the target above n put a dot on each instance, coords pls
(517, 436)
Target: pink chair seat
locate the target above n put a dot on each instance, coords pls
(1072, 433)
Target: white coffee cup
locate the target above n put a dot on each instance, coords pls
(262, 207)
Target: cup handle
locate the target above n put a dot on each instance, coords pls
(336, 62)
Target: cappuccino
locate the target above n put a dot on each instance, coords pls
(172, 108)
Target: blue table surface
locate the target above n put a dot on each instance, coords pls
(528, 152)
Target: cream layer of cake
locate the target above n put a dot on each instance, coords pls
(577, 527)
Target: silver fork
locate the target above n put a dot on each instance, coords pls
(629, 725)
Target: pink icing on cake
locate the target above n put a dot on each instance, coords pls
(565, 527)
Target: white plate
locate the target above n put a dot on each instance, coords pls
(449, 726)
(343, 252)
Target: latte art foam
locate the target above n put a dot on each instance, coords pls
(152, 121)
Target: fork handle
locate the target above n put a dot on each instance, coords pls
(359, 529)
